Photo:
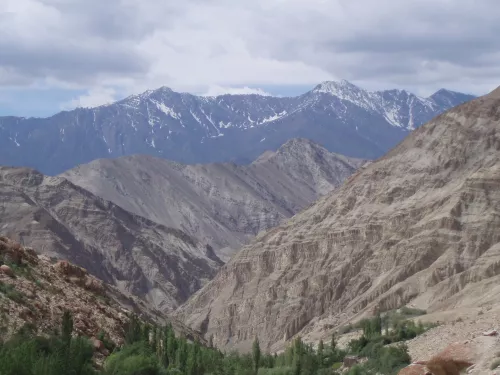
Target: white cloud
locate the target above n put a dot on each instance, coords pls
(94, 98)
(201, 45)
(219, 90)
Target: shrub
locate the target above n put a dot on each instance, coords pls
(134, 359)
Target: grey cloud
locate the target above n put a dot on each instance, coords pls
(388, 41)
(70, 61)
(151, 42)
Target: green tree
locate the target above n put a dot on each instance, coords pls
(171, 346)
(211, 341)
(333, 343)
(182, 355)
(256, 354)
(66, 331)
(134, 359)
(191, 361)
(146, 329)
(67, 327)
(297, 356)
(164, 347)
(321, 350)
(133, 333)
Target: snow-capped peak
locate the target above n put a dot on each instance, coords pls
(337, 88)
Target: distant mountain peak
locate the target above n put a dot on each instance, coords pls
(148, 93)
(337, 88)
(299, 144)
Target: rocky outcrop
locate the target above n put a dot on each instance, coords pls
(221, 205)
(78, 276)
(419, 225)
(162, 265)
(40, 292)
(454, 359)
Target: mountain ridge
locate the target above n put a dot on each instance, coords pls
(195, 129)
(221, 204)
(160, 229)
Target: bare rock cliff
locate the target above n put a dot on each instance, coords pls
(419, 225)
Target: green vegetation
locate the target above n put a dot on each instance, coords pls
(10, 292)
(152, 350)
(26, 354)
(374, 343)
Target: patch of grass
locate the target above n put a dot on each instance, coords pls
(22, 270)
(10, 292)
(337, 365)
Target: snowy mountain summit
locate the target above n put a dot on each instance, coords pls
(341, 116)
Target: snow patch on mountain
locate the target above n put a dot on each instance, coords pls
(167, 110)
(275, 117)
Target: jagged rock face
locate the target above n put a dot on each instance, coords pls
(160, 264)
(419, 225)
(221, 205)
(191, 129)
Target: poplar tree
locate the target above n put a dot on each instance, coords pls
(256, 354)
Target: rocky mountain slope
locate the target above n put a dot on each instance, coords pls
(222, 205)
(474, 330)
(35, 292)
(160, 264)
(191, 129)
(419, 226)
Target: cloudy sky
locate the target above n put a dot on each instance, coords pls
(59, 54)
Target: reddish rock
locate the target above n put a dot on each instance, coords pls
(98, 345)
(6, 270)
(414, 369)
(93, 284)
(81, 326)
(493, 332)
(63, 267)
(31, 255)
(454, 358)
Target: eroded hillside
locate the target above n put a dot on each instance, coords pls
(418, 226)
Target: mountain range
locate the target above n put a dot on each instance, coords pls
(418, 228)
(221, 205)
(158, 229)
(191, 129)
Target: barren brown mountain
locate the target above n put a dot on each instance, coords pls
(159, 238)
(164, 266)
(222, 205)
(419, 226)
